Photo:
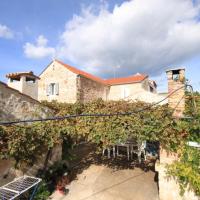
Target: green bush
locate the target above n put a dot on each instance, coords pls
(42, 192)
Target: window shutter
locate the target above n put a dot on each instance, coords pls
(57, 88)
(126, 93)
(47, 90)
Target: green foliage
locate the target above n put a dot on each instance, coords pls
(3, 143)
(187, 170)
(42, 192)
(26, 143)
(49, 180)
(190, 105)
(66, 146)
(151, 124)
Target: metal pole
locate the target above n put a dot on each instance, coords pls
(35, 189)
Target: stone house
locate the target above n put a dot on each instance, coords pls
(65, 83)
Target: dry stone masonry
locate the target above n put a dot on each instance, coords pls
(17, 106)
(176, 83)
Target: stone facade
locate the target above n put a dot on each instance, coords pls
(74, 85)
(15, 105)
(67, 80)
(89, 90)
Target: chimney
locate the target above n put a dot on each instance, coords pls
(176, 101)
(24, 82)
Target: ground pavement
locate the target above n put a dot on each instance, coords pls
(99, 182)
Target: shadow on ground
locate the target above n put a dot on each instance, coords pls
(87, 154)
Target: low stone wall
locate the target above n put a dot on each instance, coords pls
(17, 106)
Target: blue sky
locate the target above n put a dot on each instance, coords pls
(101, 36)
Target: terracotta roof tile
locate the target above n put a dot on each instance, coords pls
(125, 80)
(19, 74)
(114, 81)
(80, 72)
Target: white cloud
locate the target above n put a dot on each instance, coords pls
(39, 50)
(139, 35)
(5, 32)
(42, 41)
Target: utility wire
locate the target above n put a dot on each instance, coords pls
(90, 115)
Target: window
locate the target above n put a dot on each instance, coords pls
(151, 89)
(176, 75)
(53, 89)
(30, 80)
(17, 79)
(125, 92)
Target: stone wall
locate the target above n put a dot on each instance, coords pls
(89, 90)
(56, 73)
(15, 105)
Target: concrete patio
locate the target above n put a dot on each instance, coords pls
(99, 182)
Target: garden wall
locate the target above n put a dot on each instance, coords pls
(17, 106)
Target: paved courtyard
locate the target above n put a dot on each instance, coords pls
(99, 182)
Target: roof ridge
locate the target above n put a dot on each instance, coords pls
(81, 72)
(16, 74)
(112, 81)
(134, 75)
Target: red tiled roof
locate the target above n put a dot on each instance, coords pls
(80, 72)
(114, 81)
(125, 80)
(19, 74)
